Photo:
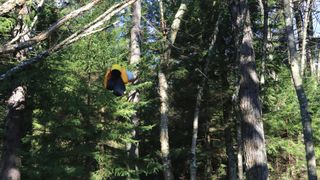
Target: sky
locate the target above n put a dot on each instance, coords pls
(316, 18)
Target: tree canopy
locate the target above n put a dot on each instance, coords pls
(215, 87)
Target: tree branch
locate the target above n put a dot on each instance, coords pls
(35, 19)
(9, 5)
(44, 35)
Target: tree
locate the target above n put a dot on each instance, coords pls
(10, 160)
(167, 40)
(252, 126)
(134, 60)
(295, 73)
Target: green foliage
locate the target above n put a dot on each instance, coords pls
(7, 24)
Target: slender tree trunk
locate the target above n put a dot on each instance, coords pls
(252, 126)
(193, 163)
(133, 148)
(163, 83)
(304, 36)
(303, 101)
(163, 92)
(10, 160)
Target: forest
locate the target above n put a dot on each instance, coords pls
(218, 89)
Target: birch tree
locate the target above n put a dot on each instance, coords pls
(167, 40)
(302, 98)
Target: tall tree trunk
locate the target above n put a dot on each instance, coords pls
(163, 83)
(304, 36)
(133, 148)
(193, 163)
(163, 92)
(10, 160)
(303, 101)
(252, 126)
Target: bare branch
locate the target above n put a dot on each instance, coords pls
(35, 19)
(44, 35)
(9, 5)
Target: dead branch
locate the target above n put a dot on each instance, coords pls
(44, 35)
(34, 21)
(9, 5)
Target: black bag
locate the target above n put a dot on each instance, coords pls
(116, 84)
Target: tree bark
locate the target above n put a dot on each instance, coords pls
(133, 148)
(252, 126)
(304, 36)
(10, 160)
(303, 101)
